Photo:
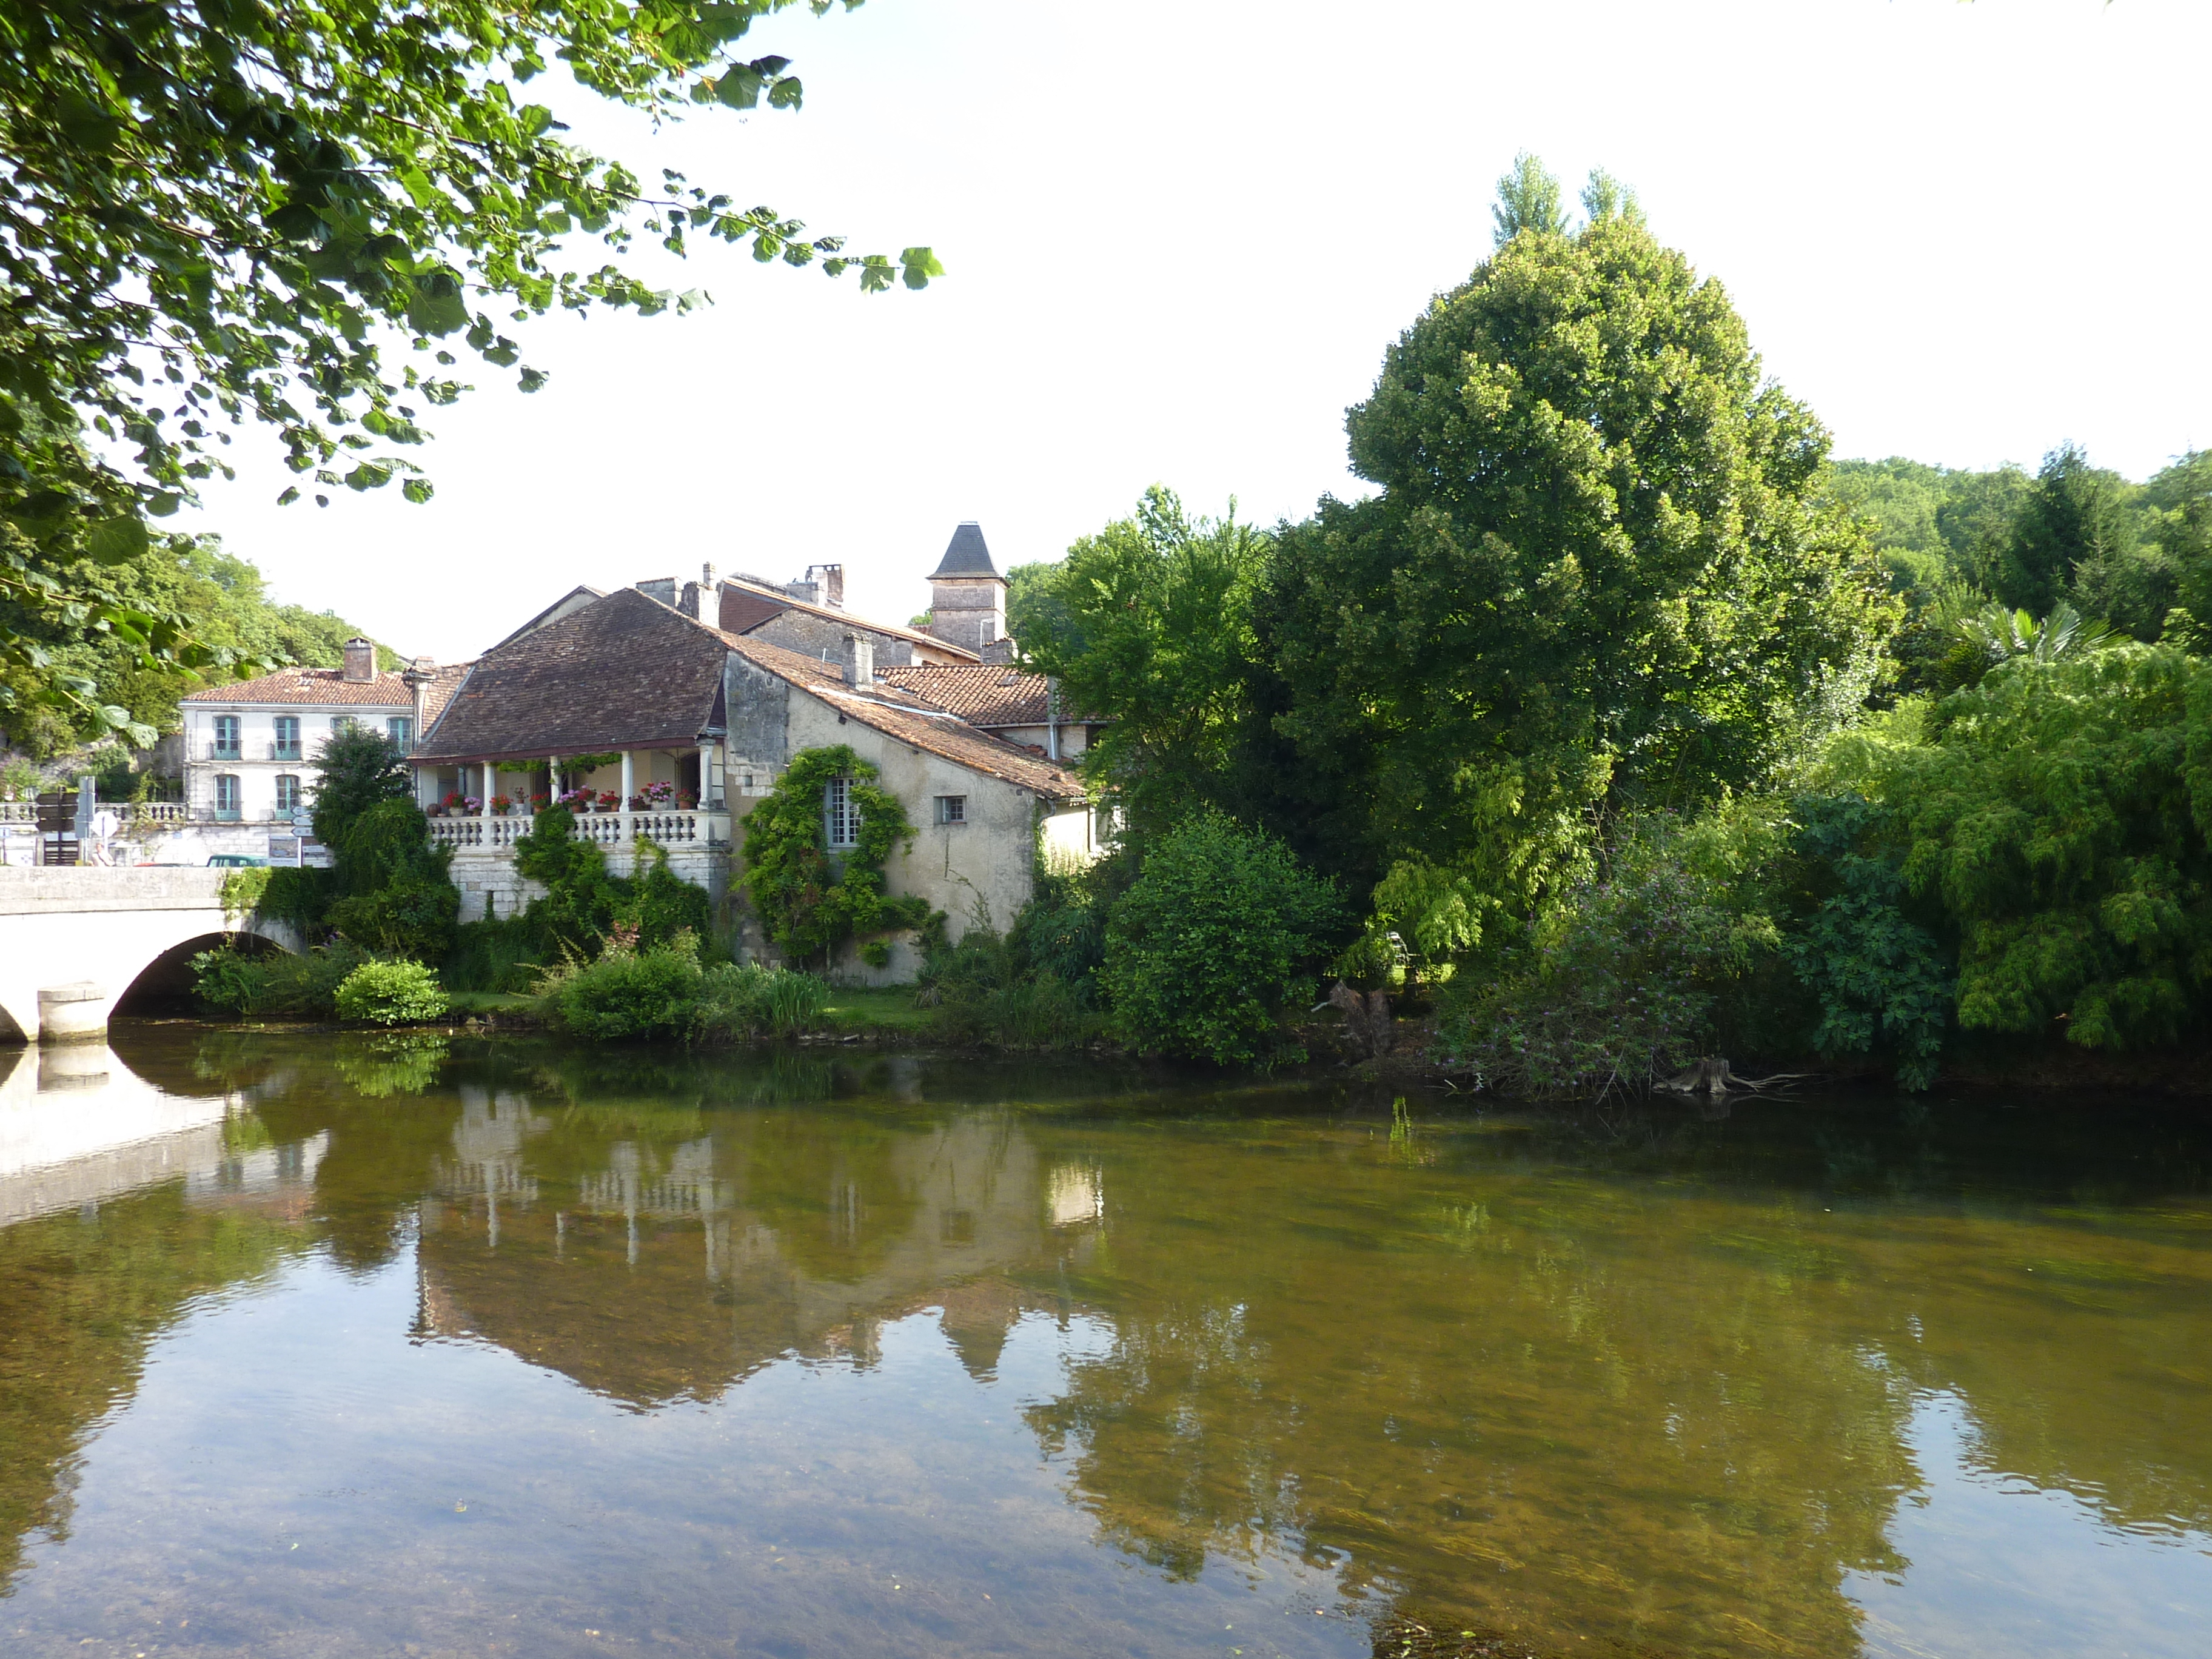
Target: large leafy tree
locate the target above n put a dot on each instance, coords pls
(215, 212)
(1601, 572)
(2075, 528)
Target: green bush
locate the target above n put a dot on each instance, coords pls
(1220, 931)
(395, 897)
(1622, 981)
(736, 1001)
(391, 994)
(277, 982)
(628, 993)
(1883, 979)
(502, 954)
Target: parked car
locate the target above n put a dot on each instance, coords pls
(236, 860)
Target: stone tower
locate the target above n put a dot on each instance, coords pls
(967, 594)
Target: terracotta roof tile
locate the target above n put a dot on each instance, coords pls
(327, 686)
(983, 694)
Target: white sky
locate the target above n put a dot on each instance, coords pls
(1178, 237)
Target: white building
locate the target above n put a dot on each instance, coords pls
(250, 747)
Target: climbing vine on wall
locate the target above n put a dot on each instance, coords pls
(809, 901)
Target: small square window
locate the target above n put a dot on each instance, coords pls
(953, 809)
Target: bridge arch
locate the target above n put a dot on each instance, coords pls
(104, 928)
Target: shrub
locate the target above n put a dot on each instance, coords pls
(1221, 930)
(749, 1000)
(1883, 980)
(302, 986)
(501, 954)
(1620, 982)
(391, 994)
(396, 899)
(628, 993)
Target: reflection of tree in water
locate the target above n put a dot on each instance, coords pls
(393, 1063)
(1660, 1411)
(84, 1294)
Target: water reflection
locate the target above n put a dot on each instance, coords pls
(504, 1346)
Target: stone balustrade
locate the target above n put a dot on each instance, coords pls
(671, 828)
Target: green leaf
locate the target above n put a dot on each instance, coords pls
(417, 490)
(117, 541)
(785, 93)
(88, 124)
(740, 86)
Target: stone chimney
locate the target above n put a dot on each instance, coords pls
(421, 674)
(832, 583)
(806, 591)
(694, 602)
(859, 659)
(967, 594)
(360, 662)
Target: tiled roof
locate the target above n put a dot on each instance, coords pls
(984, 693)
(444, 681)
(744, 607)
(314, 686)
(623, 672)
(627, 672)
(898, 714)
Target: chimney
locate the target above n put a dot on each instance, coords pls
(360, 662)
(859, 659)
(805, 591)
(660, 588)
(833, 585)
(421, 674)
(691, 603)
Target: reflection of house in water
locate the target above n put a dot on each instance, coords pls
(655, 1268)
(78, 1127)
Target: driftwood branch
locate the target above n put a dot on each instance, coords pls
(1714, 1077)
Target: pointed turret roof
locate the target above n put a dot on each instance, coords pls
(965, 555)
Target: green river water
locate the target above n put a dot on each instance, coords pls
(325, 1346)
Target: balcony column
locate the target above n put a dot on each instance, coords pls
(629, 790)
(707, 790)
(490, 788)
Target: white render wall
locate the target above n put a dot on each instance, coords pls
(258, 769)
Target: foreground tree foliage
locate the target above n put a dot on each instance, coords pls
(215, 212)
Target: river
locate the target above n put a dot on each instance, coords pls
(323, 1346)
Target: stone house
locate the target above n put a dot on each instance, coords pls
(688, 724)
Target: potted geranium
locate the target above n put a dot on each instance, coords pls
(538, 802)
(610, 801)
(499, 805)
(655, 796)
(685, 800)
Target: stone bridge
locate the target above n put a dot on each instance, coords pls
(74, 941)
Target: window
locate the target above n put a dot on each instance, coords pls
(288, 737)
(288, 792)
(953, 809)
(342, 723)
(841, 814)
(227, 795)
(226, 737)
(400, 728)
